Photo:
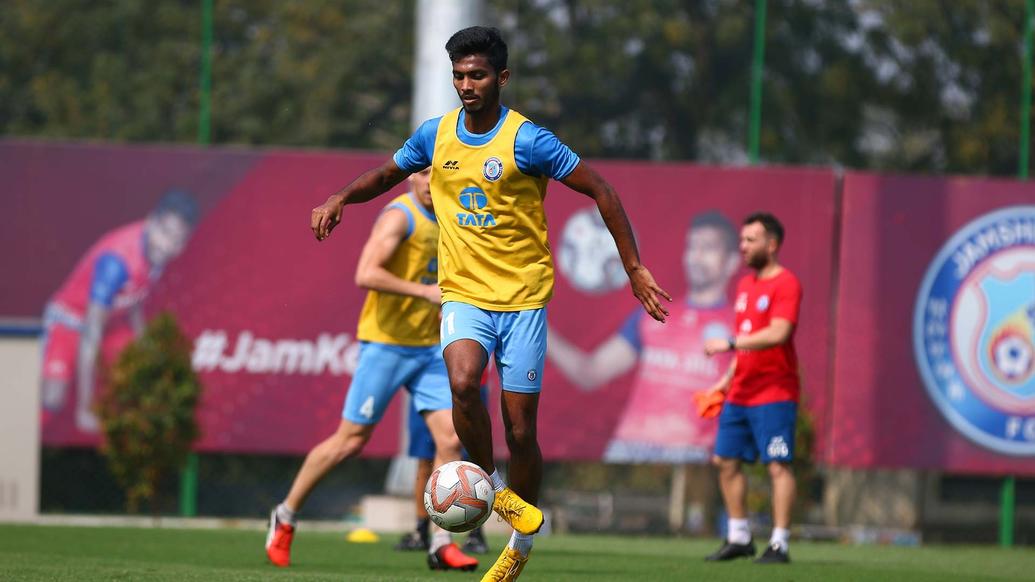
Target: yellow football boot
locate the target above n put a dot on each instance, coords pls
(507, 567)
(524, 517)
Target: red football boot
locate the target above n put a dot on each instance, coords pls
(278, 541)
(450, 557)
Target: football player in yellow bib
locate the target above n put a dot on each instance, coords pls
(399, 346)
(489, 170)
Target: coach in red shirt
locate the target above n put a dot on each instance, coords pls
(761, 386)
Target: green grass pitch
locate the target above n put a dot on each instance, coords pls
(86, 553)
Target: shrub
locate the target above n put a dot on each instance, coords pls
(147, 413)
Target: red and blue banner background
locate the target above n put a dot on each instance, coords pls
(273, 313)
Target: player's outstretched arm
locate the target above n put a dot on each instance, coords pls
(591, 370)
(389, 231)
(137, 321)
(90, 339)
(368, 186)
(586, 180)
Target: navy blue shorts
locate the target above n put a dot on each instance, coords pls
(750, 432)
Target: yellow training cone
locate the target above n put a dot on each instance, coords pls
(362, 536)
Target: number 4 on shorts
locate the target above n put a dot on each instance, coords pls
(367, 409)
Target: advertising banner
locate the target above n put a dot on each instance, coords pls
(934, 364)
(272, 312)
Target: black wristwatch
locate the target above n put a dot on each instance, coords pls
(732, 341)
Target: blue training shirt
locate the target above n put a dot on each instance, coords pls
(537, 150)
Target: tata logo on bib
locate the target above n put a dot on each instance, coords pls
(474, 199)
(974, 330)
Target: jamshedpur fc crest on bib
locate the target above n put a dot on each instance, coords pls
(974, 330)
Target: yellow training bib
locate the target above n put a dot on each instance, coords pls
(400, 319)
(493, 249)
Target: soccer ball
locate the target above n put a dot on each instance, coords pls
(1013, 356)
(459, 496)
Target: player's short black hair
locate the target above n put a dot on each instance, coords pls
(715, 219)
(179, 202)
(769, 222)
(479, 40)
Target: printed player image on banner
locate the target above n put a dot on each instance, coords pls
(97, 310)
(89, 273)
(630, 381)
(669, 358)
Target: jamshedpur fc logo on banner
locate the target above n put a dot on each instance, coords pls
(974, 330)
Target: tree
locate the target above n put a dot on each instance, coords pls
(885, 84)
(951, 80)
(290, 73)
(119, 71)
(148, 411)
(313, 73)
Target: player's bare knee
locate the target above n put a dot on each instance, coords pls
(780, 470)
(349, 440)
(350, 446)
(464, 366)
(726, 465)
(449, 445)
(443, 433)
(521, 437)
(466, 390)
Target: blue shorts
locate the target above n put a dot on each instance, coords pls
(384, 368)
(421, 445)
(516, 338)
(750, 432)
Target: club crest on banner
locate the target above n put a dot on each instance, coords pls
(588, 256)
(974, 330)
